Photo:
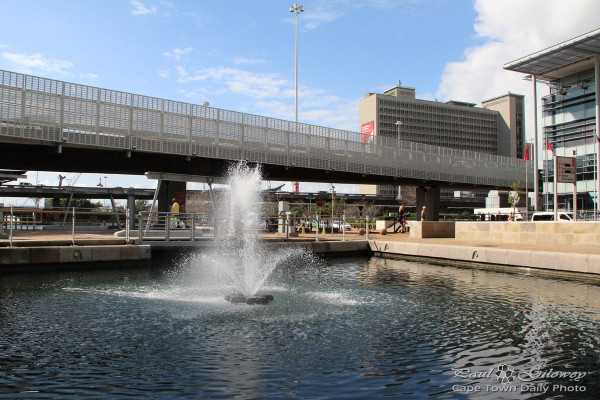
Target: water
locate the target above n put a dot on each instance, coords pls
(347, 328)
(237, 258)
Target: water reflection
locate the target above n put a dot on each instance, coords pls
(356, 328)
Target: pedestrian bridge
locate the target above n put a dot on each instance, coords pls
(60, 126)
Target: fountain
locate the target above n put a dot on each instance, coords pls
(247, 263)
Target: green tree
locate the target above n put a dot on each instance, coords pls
(141, 205)
(83, 204)
(513, 196)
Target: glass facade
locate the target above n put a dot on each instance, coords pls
(569, 117)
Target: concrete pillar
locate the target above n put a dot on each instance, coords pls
(430, 197)
(2, 234)
(168, 190)
(284, 207)
(597, 128)
(131, 208)
(536, 182)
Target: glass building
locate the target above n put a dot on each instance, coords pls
(570, 117)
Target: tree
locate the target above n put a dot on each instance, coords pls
(141, 205)
(84, 204)
(513, 197)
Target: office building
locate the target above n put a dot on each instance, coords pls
(496, 128)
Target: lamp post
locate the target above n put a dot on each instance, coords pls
(297, 9)
(530, 145)
(398, 124)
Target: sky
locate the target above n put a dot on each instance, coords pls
(240, 55)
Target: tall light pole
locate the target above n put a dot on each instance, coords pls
(296, 9)
(398, 124)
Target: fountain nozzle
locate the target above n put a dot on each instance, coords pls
(238, 298)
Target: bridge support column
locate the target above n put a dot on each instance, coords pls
(430, 197)
(2, 234)
(169, 190)
(131, 210)
(284, 208)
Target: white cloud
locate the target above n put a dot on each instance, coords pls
(241, 60)
(513, 29)
(252, 84)
(35, 63)
(141, 9)
(178, 53)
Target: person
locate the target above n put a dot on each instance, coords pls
(400, 219)
(174, 213)
(424, 213)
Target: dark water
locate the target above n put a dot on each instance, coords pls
(348, 328)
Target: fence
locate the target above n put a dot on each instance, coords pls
(60, 112)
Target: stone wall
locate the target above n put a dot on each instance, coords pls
(432, 229)
(534, 233)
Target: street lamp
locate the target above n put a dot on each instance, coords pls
(398, 124)
(297, 9)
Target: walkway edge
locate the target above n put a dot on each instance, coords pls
(539, 260)
(15, 256)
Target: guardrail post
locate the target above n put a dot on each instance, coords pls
(141, 229)
(12, 219)
(127, 225)
(343, 227)
(286, 226)
(167, 226)
(193, 228)
(317, 230)
(73, 228)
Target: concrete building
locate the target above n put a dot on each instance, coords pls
(511, 123)
(496, 128)
(571, 115)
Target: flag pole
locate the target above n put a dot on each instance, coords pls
(546, 170)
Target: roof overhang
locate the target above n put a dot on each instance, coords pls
(564, 59)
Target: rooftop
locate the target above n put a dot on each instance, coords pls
(563, 59)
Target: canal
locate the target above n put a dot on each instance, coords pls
(339, 328)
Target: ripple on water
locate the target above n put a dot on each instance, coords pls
(348, 328)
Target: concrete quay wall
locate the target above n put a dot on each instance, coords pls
(584, 233)
(570, 262)
(36, 255)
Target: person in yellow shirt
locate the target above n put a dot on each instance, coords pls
(174, 213)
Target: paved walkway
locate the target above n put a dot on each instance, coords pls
(41, 237)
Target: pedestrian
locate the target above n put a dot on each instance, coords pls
(400, 219)
(424, 213)
(174, 213)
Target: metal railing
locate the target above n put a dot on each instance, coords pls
(31, 219)
(61, 112)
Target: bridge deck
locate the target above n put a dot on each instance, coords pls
(35, 110)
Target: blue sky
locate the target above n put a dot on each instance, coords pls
(239, 55)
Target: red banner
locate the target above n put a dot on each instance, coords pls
(367, 131)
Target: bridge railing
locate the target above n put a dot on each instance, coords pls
(62, 112)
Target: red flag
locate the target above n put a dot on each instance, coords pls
(549, 147)
(526, 158)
